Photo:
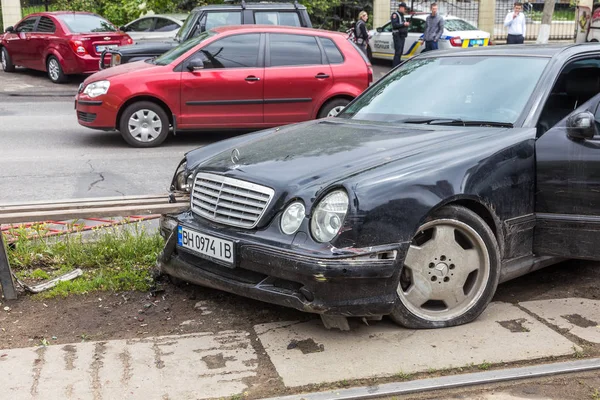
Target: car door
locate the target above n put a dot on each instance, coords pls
(17, 43)
(40, 41)
(568, 185)
(382, 43)
(141, 29)
(297, 77)
(413, 43)
(226, 90)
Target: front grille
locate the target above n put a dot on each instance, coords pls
(230, 201)
(86, 117)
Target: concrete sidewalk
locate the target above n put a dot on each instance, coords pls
(225, 364)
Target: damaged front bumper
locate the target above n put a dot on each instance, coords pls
(361, 283)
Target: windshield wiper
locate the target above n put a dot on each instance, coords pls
(455, 122)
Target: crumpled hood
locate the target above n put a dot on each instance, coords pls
(327, 151)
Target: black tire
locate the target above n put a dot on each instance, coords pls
(404, 311)
(331, 105)
(148, 113)
(55, 70)
(7, 65)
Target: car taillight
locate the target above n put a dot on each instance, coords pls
(456, 41)
(370, 74)
(126, 40)
(490, 43)
(77, 46)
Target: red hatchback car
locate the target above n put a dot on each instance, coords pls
(60, 43)
(229, 77)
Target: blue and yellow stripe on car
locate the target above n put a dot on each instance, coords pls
(475, 42)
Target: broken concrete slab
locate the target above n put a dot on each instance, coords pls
(198, 366)
(581, 317)
(306, 353)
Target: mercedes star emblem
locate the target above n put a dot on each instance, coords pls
(235, 156)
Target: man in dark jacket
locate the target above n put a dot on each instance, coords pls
(434, 28)
(399, 32)
(360, 31)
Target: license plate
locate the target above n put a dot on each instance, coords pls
(205, 245)
(476, 42)
(100, 49)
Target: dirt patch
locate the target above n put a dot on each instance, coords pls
(514, 325)
(216, 361)
(580, 321)
(307, 346)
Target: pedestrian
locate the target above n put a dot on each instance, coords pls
(361, 34)
(399, 32)
(434, 28)
(515, 22)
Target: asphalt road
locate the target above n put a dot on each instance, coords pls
(46, 155)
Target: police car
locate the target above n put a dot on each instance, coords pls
(457, 33)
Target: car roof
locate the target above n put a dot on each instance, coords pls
(522, 50)
(179, 16)
(275, 28)
(64, 12)
(252, 6)
(424, 16)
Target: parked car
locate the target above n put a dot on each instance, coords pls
(458, 33)
(227, 77)
(60, 43)
(205, 18)
(414, 206)
(154, 27)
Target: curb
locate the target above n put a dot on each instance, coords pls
(39, 94)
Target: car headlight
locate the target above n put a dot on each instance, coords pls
(292, 218)
(182, 180)
(97, 88)
(115, 59)
(329, 215)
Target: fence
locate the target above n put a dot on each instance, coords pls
(32, 6)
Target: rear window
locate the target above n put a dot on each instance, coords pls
(86, 23)
(288, 18)
(331, 50)
(454, 25)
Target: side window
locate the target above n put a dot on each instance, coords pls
(46, 25)
(334, 55)
(240, 51)
(221, 18)
(27, 25)
(416, 25)
(277, 18)
(143, 25)
(165, 25)
(294, 50)
(387, 27)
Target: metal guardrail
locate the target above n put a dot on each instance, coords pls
(81, 208)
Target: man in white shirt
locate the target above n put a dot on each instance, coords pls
(515, 22)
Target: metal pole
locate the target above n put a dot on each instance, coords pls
(6, 280)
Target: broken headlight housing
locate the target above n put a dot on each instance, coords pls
(182, 180)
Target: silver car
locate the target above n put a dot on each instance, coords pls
(154, 27)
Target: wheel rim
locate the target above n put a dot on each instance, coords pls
(53, 69)
(144, 125)
(445, 272)
(3, 56)
(335, 111)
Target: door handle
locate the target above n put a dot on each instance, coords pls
(252, 78)
(322, 76)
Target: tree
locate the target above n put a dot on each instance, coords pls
(544, 33)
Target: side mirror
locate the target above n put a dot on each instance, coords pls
(195, 65)
(379, 29)
(123, 28)
(582, 126)
(10, 29)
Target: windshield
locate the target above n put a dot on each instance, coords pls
(454, 25)
(480, 88)
(173, 54)
(86, 23)
(187, 25)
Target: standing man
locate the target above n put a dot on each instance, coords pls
(399, 32)
(434, 28)
(515, 22)
(360, 31)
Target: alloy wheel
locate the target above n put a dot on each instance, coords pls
(144, 125)
(53, 69)
(446, 271)
(335, 111)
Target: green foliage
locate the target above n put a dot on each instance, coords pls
(116, 259)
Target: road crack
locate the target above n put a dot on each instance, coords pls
(100, 174)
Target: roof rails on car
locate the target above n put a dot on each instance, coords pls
(243, 2)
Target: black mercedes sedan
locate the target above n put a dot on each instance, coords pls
(457, 171)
